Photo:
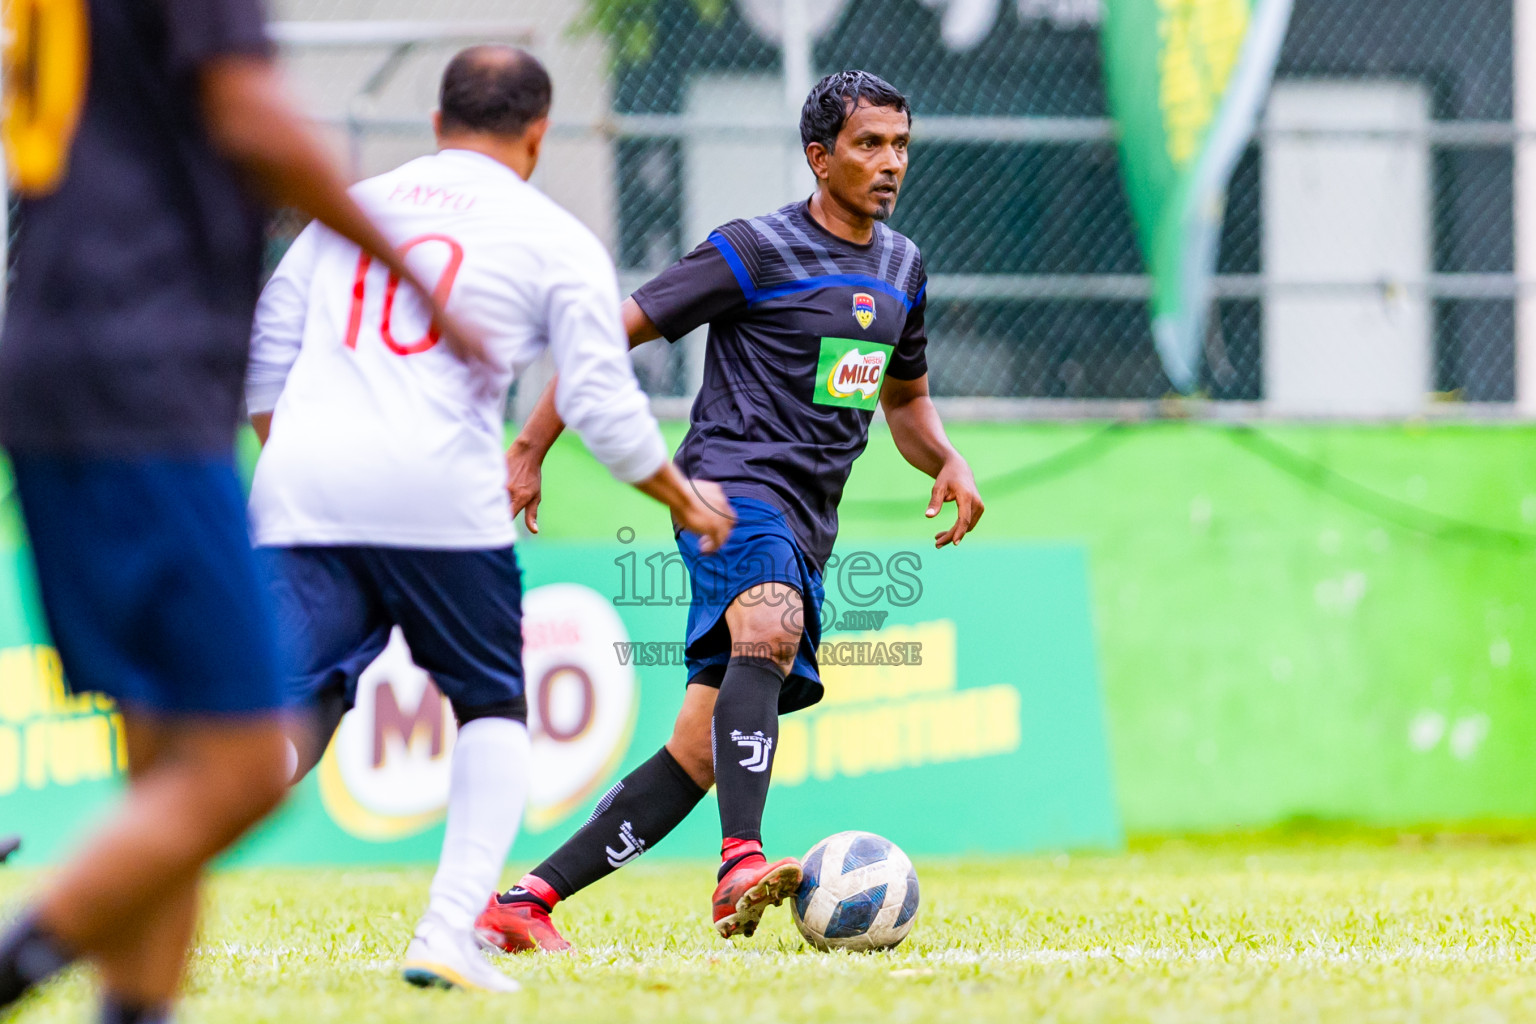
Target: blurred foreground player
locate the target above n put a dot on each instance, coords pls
(815, 314)
(136, 131)
(380, 496)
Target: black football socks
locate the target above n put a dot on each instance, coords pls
(29, 955)
(648, 803)
(633, 816)
(746, 730)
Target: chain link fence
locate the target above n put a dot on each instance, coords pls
(673, 115)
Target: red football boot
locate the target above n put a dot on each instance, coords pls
(750, 888)
(521, 927)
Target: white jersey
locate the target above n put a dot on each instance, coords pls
(380, 436)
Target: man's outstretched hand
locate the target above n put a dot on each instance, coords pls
(525, 483)
(955, 483)
(698, 506)
(709, 515)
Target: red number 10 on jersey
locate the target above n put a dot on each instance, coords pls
(440, 292)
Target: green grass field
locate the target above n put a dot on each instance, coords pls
(1249, 930)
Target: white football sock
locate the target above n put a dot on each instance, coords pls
(486, 793)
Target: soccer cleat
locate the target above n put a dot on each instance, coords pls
(521, 927)
(438, 958)
(751, 888)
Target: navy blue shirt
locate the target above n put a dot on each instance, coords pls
(803, 329)
(135, 276)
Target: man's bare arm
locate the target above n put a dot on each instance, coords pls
(699, 506)
(919, 436)
(525, 458)
(637, 325)
(254, 125)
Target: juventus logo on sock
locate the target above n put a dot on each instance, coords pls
(760, 747)
(631, 845)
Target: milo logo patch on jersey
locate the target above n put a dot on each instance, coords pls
(864, 309)
(849, 372)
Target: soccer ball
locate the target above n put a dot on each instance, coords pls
(859, 892)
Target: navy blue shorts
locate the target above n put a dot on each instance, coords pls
(461, 613)
(148, 582)
(761, 549)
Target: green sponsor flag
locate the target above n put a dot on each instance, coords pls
(1186, 79)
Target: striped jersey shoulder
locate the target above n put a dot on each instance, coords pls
(783, 251)
(901, 261)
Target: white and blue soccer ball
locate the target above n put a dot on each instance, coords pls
(860, 892)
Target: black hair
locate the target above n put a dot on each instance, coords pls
(837, 96)
(498, 90)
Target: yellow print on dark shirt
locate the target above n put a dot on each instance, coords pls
(47, 53)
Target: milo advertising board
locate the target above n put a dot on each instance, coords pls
(962, 713)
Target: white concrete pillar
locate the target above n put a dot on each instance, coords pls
(1347, 249)
(796, 52)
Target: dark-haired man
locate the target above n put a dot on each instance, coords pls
(379, 498)
(141, 137)
(815, 315)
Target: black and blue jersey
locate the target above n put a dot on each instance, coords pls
(804, 327)
(138, 251)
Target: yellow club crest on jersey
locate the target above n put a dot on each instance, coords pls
(864, 309)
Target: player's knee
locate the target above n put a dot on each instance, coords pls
(784, 653)
(271, 784)
(766, 637)
(215, 811)
(767, 625)
(259, 792)
(777, 647)
(243, 788)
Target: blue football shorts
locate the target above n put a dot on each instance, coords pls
(148, 582)
(461, 613)
(761, 549)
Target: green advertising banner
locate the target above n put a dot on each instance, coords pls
(61, 756)
(1186, 79)
(962, 714)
